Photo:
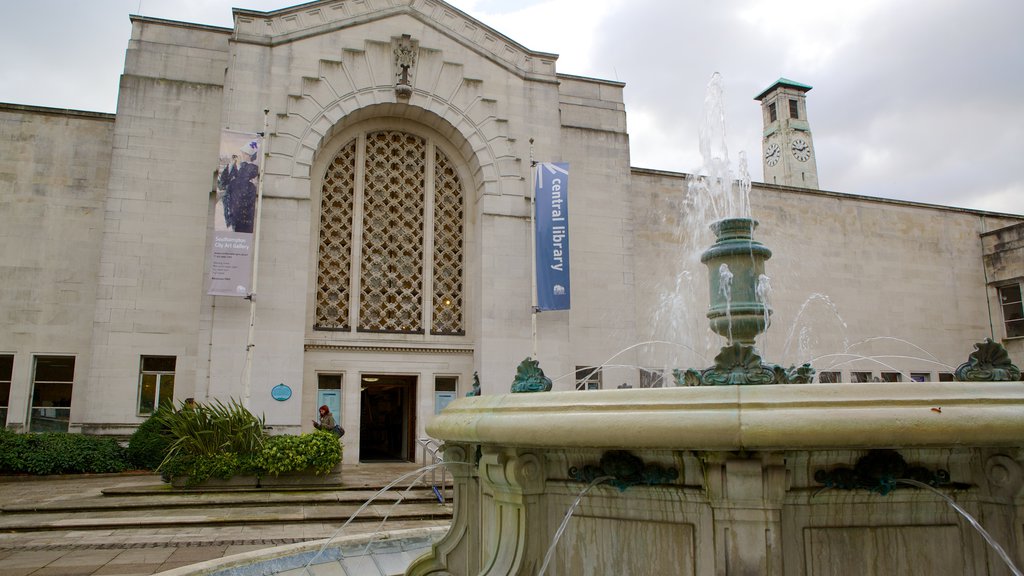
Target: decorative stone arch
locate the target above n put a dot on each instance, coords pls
(450, 320)
(300, 137)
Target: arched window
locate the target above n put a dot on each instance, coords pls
(391, 238)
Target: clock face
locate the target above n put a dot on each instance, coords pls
(772, 154)
(801, 150)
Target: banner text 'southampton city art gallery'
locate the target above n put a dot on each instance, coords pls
(235, 214)
(552, 235)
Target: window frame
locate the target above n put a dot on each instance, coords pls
(160, 375)
(1017, 322)
(6, 381)
(651, 378)
(51, 411)
(588, 378)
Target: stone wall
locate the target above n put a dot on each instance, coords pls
(858, 284)
(54, 170)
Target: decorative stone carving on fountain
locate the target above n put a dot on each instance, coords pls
(879, 471)
(625, 470)
(735, 264)
(740, 364)
(476, 385)
(530, 378)
(739, 312)
(988, 363)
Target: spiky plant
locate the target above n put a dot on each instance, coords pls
(213, 428)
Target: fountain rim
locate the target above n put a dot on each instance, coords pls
(766, 417)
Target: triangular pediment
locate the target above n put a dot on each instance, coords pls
(321, 17)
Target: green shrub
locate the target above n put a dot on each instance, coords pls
(200, 468)
(12, 452)
(148, 446)
(319, 450)
(60, 453)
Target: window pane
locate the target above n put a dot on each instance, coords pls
(6, 367)
(329, 381)
(772, 114)
(166, 389)
(945, 377)
(829, 377)
(50, 394)
(892, 377)
(446, 383)
(158, 363)
(1010, 294)
(860, 377)
(651, 378)
(147, 394)
(920, 376)
(1015, 329)
(55, 369)
(5, 395)
(794, 109)
(49, 419)
(588, 378)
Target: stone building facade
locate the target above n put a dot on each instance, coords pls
(395, 236)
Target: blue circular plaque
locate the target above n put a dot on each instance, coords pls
(281, 392)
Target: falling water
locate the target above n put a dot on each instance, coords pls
(805, 336)
(565, 522)
(725, 289)
(419, 471)
(763, 294)
(712, 192)
(984, 534)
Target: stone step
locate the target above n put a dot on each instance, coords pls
(158, 500)
(113, 519)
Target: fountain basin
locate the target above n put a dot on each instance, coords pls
(777, 417)
(748, 496)
(388, 554)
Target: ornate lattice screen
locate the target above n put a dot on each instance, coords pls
(334, 273)
(448, 232)
(391, 291)
(394, 190)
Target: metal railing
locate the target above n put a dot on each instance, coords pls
(432, 454)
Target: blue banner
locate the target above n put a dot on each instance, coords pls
(551, 193)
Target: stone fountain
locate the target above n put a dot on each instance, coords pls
(716, 476)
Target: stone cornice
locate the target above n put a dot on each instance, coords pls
(5, 107)
(178, 24)
(772, 417)
(832, 194)
(386, 348)
(315, 18)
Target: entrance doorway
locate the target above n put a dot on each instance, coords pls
(388, 418)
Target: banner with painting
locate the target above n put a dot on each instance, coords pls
(235, 214)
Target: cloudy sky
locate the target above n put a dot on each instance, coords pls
(919, 100)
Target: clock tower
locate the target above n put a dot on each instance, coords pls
(786, 144)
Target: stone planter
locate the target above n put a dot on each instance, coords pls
(299, 478)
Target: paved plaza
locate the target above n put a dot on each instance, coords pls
(67, 526)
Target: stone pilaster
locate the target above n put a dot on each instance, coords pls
(746, 496)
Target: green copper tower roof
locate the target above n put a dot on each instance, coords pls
(783, 82)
